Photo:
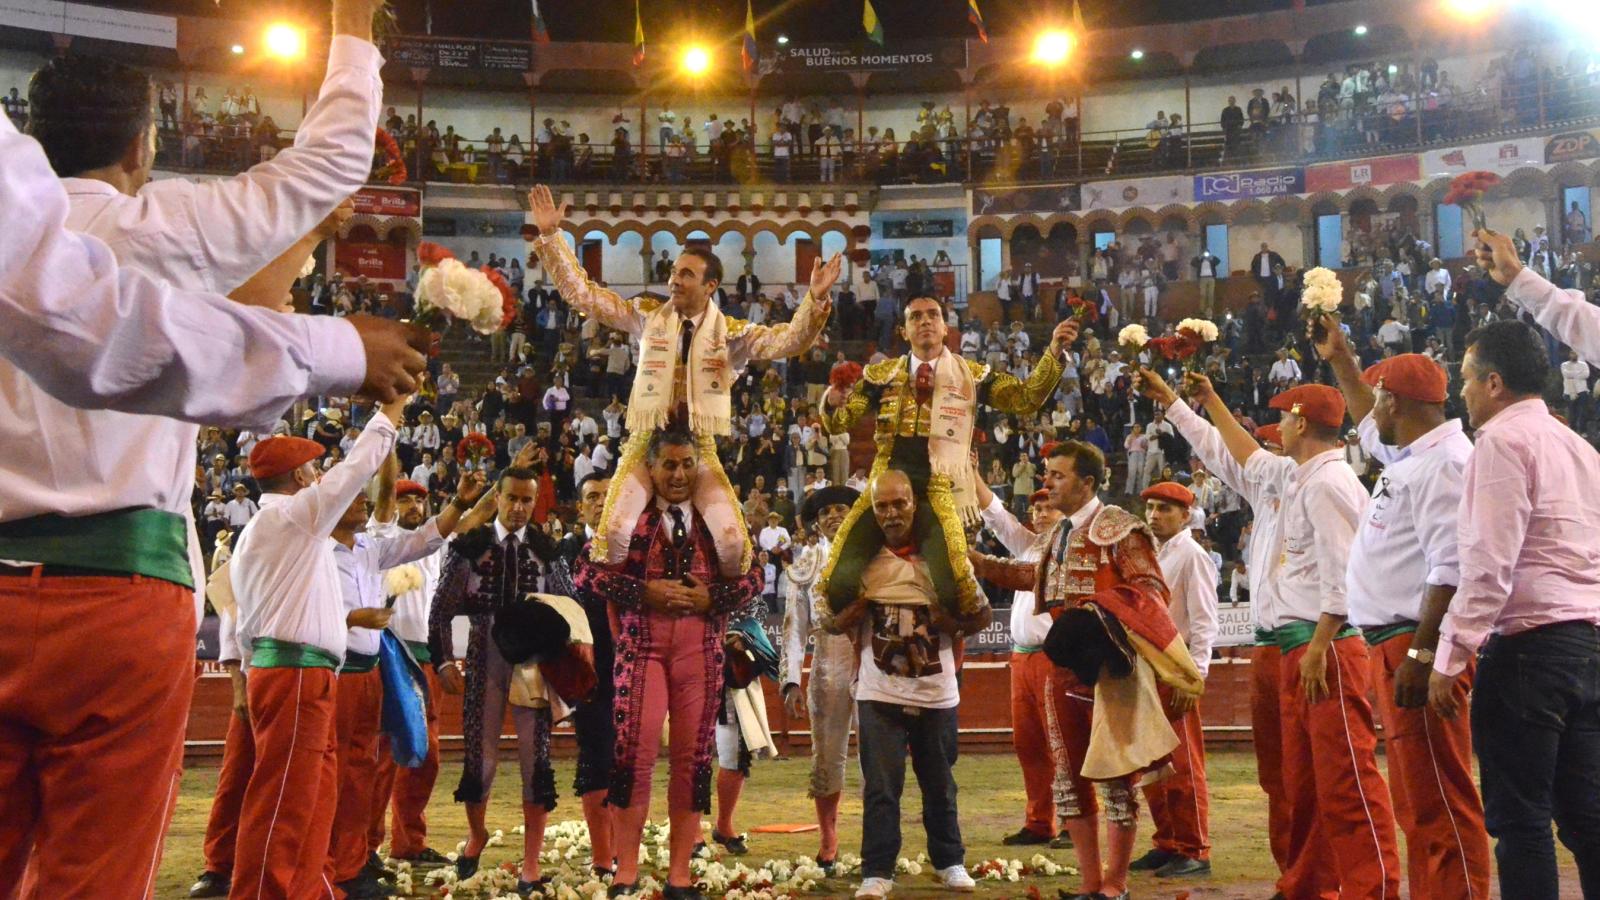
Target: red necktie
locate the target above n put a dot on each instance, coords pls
(924, 384)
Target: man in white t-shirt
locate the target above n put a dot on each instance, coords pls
(906, 695)
(774, 538)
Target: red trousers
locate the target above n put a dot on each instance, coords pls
(359, 719)
(407, 790)
(1180, 805)
(1430, 778)
(96, 675)
(222, 829)
(1030, 692)
(287, 814)
(1337, 799)
(1267, 736)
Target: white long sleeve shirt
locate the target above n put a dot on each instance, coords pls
(1407, 538)
(97, 335)
(1564, 313)
(1320, 507)
(206, 236)
(1191, 578)
(285, 577)
(361, 570)
(1028, 629)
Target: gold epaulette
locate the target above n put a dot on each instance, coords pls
(979, 370)
(883, 372)
(737, 327)
(647, 304)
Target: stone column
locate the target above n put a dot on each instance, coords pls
(749, 255)
(644, 254)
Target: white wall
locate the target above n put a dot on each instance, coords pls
(1510, 213)
(1244, 242)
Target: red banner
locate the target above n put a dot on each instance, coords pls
(1345, 175)
(379, 262)
(383, 201)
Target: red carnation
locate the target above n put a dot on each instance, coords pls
(508, 297)
(1083, 310)
(845, 374)
(465, 446)
(431, 254)
(1466, 191)
(394, 162)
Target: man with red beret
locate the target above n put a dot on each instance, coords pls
(1336, 795)
(406, 790)
(362, 559)
(1404, 569)
(1180, 805)
(1030, 670)
(1213, 451)
(292, 631)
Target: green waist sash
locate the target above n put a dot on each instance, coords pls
(1296, 634)
(1025, 648)
(420, 651)
(358, 663)
(1264, 638)
(271, 653)
(140, 541)
(1376, 636)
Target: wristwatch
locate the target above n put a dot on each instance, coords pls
(460, 504)
(1420, 655)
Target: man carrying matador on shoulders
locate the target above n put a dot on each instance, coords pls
(927, 405)
(689, 356)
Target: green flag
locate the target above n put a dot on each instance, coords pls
(869, 22)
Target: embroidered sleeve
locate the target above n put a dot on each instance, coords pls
(447, 600)
(727, 596)
(574, 286)
(1135, 559)
(607, 585)
(1005, 573)
(841, 419)
(1022, 398)
(784, 340)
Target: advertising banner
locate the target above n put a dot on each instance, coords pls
(459, 54)
(379, 262)
(1004, 201)
(1572, 145)
(1381, 170)
(1234, 628)
(386, 201)
(82, 20)
(902, 56)
(1151, 192)
(1249, 185)
(919, 228)
(1500, 156)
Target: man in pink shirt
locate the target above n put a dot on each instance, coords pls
(1529, 606)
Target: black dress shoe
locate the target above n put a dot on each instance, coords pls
(1152, 861)
(603, 872)
(428, 858)
(376, 869)
(734, 844)
(699, 850)
(211, 884)
(526, 889)
(623, 890)
(1062, 841)
(1183, 867)
(1025, 838)
(467, 866)
(362, 887)
(682, 893)
(827, 866)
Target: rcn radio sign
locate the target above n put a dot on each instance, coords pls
(1572, 145)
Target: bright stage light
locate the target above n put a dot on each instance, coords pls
(238, 49)
(285, 41)
(1469, 9)
(696, 60)
(1361, 30)
(1137, 54)
(783, 39)
(1052, 48)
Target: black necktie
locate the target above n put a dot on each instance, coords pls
(680, 534)
(686, 337)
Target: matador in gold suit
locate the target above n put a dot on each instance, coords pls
(927, 402)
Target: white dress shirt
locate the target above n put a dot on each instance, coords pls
(773, 538)
(361, 570)
(98, 335)
(1574, 378)
(1310, 549)
(1565, 313)
(1191, 578)
(1028, 629)
(1284, 369)
(208, 236)
(411, 609)
(1407, 538)
(284, 574)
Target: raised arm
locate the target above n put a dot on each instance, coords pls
(1013, 535)
(798, 335)
(1008, 574)
(319, 507)
(1241, 446)
(1358, 396)
(1566, 314)
(570, 280)
(841, 414)
(1009, 395)
(1203, 437)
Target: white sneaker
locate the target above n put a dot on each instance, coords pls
(956, 878)
(876, 888)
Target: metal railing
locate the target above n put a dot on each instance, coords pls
(1356, 127)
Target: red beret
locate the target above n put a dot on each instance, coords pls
(1170, 491)
(1039, 496)
(405, 487)
(1270, 434)
(1409, 375)
(277, 455)
(1313, 402)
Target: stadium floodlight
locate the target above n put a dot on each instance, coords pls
(1361, 30)
(1051, 48)
(1137, 54)
(696, 60)
(285, 41)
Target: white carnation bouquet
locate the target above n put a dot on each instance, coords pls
(402, 580)
(1321, 294)
(450, 288)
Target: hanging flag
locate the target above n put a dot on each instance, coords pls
(1077, 19)
(869, 22)
(541, 34)
(748, 51)
(976, 18)
(638, 35)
